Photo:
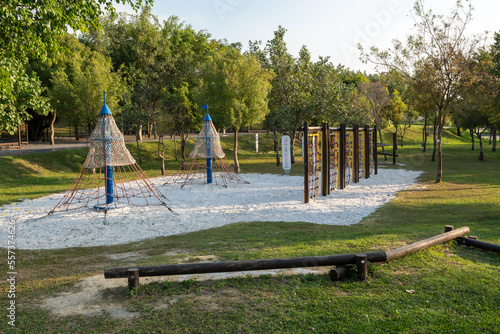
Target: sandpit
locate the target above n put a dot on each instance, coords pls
(267, 197)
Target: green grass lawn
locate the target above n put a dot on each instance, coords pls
(456, 289)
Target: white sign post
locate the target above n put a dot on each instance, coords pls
(286, 154)
(257, 143)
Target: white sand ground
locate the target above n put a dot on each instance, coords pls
(197, 207)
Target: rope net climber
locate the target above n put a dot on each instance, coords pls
(207, 143)
(107, 145)
(206, 155)
(110, 177)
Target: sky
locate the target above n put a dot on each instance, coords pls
(328, 28)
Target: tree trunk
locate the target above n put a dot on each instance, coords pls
(480, 138)
(236, 162)
(277, 148)
(424, 135)
(175, 148)
(292, 144)
(161, 154)
(439, 176)
(471, 130)
(138, 133)
(138, 150)
(459, 131)
(494, 147)
(434, 147)
(77, 137)
(52, 131)
(381, 141)
(184, 138)
(435, 135)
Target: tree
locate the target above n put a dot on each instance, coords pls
(79, 82)
(20, 92)
(236, 87)
(434, 57)
(395, 111)
(189, 51)
(276, 57)
(377, 95)
(493, 80)
(28, 30)
(138, 50)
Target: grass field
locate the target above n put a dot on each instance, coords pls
(452, 289)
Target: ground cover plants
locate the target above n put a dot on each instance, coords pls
(442, 289)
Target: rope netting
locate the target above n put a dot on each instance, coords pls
(110, 177)
(362, 151)
(372, 159)
(314, 164)
(131, 186)
(107, 145)
(334, 159)
(196, 174)
(207, 147)
(207, 143)
(349, 151)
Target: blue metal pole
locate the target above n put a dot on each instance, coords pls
(108, 169)
(208, 142)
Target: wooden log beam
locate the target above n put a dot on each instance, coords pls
(479, 244)
(436, 240)
(296, 262)
(231, 266)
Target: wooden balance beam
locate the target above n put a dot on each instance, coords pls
(361, 260)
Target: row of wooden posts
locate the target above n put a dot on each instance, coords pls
(334, 157)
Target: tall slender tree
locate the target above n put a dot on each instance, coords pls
(435, 56)
(236, 88)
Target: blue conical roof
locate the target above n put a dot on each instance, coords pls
(207, 118)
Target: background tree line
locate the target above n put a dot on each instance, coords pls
(157, 74)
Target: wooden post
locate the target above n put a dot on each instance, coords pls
(367, 152)
(342, 156)
(305, 152)
(355, 153)
(19, 139)
(133, 278)
(325, 159)
(362, 265)
(375, 149)
(339, 272)
(394, 147)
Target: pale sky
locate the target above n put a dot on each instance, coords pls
(327, 27)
